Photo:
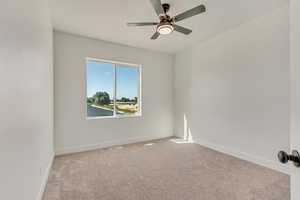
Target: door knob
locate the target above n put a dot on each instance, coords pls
(283, 157)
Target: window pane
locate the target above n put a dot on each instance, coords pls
(127, 90)
(100, 82)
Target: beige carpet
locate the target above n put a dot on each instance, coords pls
(162, 170)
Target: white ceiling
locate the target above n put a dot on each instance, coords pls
(106, 20)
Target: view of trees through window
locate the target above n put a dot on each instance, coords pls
(127, 79)
(112, 89)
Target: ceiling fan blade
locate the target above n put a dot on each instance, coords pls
(181, 29)
(157, 7)
(155, 36)
(142, 24)
(189, 13)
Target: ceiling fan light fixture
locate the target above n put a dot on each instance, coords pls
(165, 29)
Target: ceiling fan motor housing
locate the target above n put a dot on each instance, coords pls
(165, 19)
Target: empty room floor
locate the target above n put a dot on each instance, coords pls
(167, 169)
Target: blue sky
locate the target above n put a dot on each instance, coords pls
(100, 78)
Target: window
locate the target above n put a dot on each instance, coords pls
(112, 89)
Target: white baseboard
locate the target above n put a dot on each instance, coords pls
(106, 144)
(245, 156)
(45, 178)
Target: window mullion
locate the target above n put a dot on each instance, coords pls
(115, 88)
(139, 83)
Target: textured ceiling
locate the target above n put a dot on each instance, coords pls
(106, 20)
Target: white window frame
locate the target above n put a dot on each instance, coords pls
(115, 63)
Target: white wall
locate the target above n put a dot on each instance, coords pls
(26, 143)
(295, 92)
(234, 90)
(72, 131)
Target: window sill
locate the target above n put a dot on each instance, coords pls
(114, 117)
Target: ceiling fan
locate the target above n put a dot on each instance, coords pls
(167, 24)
